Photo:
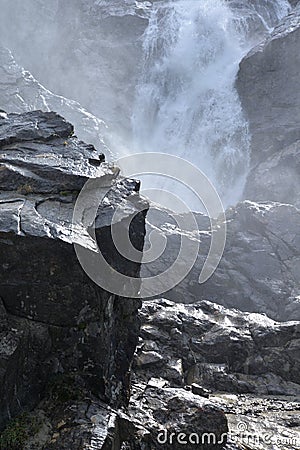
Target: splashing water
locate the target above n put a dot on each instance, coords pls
(186, 102)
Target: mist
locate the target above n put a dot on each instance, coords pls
(160, 75)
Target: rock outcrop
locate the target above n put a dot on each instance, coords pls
(54, 319)
(66, 345)
(259, 270)
(157, 419)
(217, 348)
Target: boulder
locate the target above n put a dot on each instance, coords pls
(175, 418)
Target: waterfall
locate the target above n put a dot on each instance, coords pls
(186, 102)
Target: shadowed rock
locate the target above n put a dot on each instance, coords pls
(54, 319)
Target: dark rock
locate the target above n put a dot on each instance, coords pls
(159, 410)
(54, 319)
(222, 349)
(199, 390)
(70, 417)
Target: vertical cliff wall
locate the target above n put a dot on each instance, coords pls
(269, 87)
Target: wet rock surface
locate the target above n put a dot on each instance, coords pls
(272, 104)
(268, 85)
(20, 92)
(259, 270)
(243, 364)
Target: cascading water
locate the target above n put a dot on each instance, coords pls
(186, 102)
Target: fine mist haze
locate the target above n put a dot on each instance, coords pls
(161, 75)
(78, 50)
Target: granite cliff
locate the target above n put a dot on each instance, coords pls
(268, 85)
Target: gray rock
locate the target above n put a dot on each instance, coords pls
(222, 349)
(54, 319)
(80, 420)
(259, 270)
(175, 418)
(148, 359)
(269, 86)
(21, 92)
(261, 422)
(100, 73)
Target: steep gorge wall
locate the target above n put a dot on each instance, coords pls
(269, 87)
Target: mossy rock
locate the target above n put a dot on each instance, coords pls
(18, 431)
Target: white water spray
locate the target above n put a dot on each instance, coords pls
(186, 102)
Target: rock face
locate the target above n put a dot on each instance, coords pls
(277, 178)
(54, 319)
(271, 103)
(241, 363)
(259, 270)
(66, 345)
(268, 85)
(221, 349)
(97, 63)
